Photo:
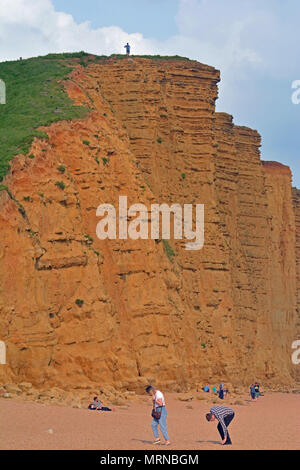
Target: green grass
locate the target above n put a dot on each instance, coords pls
(35, 97)
(152, 57)
(89, 238)
(60, 185)
(169, 251)
(34, 94)
(85, 56)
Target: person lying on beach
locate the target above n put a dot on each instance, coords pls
(97, 405)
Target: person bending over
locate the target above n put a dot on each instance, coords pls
(224, 415)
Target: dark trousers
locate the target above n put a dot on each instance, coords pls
(227, 421)
(104, 408)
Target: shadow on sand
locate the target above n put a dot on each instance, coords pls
(143, 441)
(211, 442)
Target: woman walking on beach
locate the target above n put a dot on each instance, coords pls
(159, 414)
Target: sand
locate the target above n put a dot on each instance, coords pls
(273, 422)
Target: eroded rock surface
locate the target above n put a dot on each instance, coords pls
(77, 312)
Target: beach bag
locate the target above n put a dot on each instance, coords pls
(156, 414)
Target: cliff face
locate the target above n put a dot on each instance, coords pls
(296, 205)
(227, 311)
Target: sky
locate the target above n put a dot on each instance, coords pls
(255, 44)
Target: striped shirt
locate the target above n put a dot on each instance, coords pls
(220, 412)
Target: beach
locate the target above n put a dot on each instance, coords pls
(270, 423)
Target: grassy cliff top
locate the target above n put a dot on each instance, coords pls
(35, 97)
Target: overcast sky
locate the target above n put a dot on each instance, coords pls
(255, 44)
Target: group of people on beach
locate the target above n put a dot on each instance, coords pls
(222, 392)
(254, 391)
(222, 414)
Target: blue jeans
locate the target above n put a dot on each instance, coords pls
(162, 422)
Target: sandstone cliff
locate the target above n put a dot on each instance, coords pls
(78, 312)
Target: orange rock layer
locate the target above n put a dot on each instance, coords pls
(228, 311)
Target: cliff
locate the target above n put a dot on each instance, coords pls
(296, 205)
(76, 312)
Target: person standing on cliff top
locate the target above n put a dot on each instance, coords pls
(224, 415)
(159, 414)
(127, 47)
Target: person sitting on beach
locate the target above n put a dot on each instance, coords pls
(214, 389)
(256, 388)
(97, 405)
(260, 393)
(205, 388)
(224, 415)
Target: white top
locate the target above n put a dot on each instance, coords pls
(159, 396)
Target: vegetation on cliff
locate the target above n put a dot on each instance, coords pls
(36, 97)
